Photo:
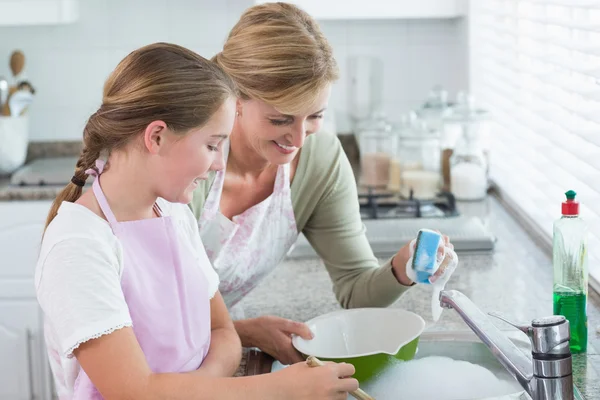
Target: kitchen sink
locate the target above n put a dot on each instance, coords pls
(466, 346)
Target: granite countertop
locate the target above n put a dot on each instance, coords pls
(27, 193)
(516, 280)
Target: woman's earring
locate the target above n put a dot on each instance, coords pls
(237, 113)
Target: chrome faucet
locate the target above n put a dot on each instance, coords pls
(548, 375)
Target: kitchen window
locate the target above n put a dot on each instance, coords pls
(536, 66)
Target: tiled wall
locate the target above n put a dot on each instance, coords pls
(68, 64)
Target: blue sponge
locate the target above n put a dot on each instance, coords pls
(425, 256)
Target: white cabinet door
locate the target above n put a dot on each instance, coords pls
(24, 372)
(21, 228)
(19, 327)
(19, 250)
(15, 212)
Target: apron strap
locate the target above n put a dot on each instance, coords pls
(282, 180)
(213, 200)
(103, 203)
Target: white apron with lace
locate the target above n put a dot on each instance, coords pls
(245, 249)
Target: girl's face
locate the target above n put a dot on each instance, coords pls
(184, 160)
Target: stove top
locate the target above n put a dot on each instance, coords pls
(45, 172)
(377, 204)
(390, 221)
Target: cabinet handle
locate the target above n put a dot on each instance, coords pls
(30, 363)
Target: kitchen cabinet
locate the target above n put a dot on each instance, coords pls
(24, 370)
(380, 9)
(38, 12)
(23, 367)
(21, 227)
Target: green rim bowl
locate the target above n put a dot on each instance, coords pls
(371, 339)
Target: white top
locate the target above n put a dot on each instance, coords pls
(78, 282)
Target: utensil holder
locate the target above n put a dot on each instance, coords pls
(14, 139)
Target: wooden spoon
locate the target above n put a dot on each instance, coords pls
(17, 62)
(357, 394)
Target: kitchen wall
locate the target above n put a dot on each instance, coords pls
(68, 64)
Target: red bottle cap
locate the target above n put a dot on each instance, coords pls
(571, 206)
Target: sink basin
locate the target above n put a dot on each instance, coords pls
(464, 346)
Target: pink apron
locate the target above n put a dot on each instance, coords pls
(166, 292)
(245, 249)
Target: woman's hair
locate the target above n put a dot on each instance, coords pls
(277, 53)
(160, 81)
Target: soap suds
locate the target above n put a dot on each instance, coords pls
(438, 378)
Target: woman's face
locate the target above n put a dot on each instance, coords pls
(277, 137)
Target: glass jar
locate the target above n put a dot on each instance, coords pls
(469, 124)
(407, 123)
(418, 157)
(365, 87)
(468, 169)
(376, 143)
(435, 108)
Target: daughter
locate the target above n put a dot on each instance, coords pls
(131, 303)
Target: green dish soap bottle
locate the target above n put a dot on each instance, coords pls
(571, 271)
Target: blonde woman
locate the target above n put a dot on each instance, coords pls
(281, 178)
(130, 300)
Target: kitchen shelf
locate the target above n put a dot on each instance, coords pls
(38, 12)
(380, 9)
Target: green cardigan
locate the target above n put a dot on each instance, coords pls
(325, 201)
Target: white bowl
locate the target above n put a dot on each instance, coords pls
(360, 332)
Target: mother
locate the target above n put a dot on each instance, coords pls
(280, 179)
